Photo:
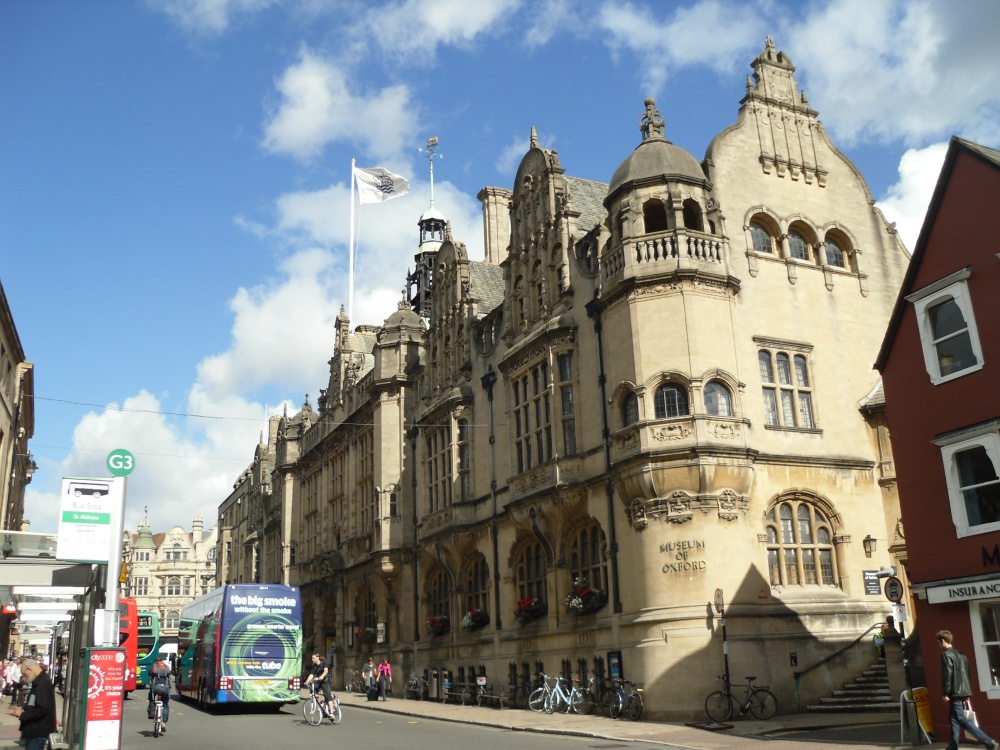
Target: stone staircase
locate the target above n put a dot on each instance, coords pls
(868, 693)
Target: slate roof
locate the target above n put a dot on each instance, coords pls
(587, 197)
(487, 285)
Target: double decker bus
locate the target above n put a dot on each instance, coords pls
(128, 637)
(148, 646)
(241, 643)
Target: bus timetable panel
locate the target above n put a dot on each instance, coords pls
(242, 643)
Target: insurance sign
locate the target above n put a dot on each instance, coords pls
(86, 510)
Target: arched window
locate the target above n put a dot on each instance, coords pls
(530, 572)
(176, 552)
(464, 462)
(173, 619)
(799, 545)
(761, 238)
(654, 216)
(173, 587)
(367, 614)
(718, 402)
(476, 585)
(588, 559)
(692, 215)
(670, 400)
(630, 410)
(439, 594)
(834, 253)
(797, 246)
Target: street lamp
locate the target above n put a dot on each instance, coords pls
(869, 544)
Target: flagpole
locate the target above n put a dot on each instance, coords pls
(350, 250)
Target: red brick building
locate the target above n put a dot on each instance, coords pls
(940, 363)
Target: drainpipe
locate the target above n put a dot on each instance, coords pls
(412, 434)
(594, 312)
(488, 380)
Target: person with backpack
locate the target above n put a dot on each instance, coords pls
(159, 688)
(320, 674)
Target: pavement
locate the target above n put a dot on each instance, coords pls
(737, 735)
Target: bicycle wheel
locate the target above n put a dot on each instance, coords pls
(719, 706)
(583, 701)
(337, 714)
(349, 686)
(763, 705)
(521, 696)
(635, 706)
(312, 713)
(536, 701)
(616, 705)
(156, 727)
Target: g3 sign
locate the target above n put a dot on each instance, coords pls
(120, 462)
(893, 589)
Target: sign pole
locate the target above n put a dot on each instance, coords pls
(120, 463)
(720, 607)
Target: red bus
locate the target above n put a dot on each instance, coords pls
(128, 638)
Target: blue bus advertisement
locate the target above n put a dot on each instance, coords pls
(241, 643)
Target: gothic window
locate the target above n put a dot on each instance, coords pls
(718, 401)
(565, 389)
(173, 619)
(630, 409)
(799, 545)
(654, 216)
(670, 400)
(366, 479)
(692, 215)
(366, 613)
(532, 417)
(787, 399)
(761, 238)
(834, 253)
(173, 587)
(588, 559)
(437, 468)
(476, 585)
(530, 572)
(439, 594)
(519, 311)
(464, 460)
(797, 246)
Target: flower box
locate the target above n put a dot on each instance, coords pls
(365, 635)
(582, 600)
(438, 625)
(530, 609)
(474, 619)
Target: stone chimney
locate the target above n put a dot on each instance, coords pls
(196, 528)
(496, 222)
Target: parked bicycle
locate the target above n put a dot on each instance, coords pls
(578, 700)
(158, 718)
(315, 709)
(522, 691)
(416, 687)
(352, 681)
(539, 697)
(758, 700)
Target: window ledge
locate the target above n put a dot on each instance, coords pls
(806, 430)
(941, 379)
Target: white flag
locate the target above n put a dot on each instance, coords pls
(377, 185)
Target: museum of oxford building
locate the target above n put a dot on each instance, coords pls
(650, 394)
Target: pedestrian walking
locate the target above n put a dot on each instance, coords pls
(956, 686)
(384, 678)
(38, 714)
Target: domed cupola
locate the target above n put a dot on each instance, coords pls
(433, 232)
(655, 160)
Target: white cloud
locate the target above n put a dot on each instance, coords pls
(317, 107)
(906, 201)
(912, 71)
(412, 30)
(208, 16)
(182, 468)
(714, 34)
(511, 155)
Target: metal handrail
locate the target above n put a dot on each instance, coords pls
(835, 654)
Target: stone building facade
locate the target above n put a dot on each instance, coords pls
(652, 396)
(168, 570)
(17, 420)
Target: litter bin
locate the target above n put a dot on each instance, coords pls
(432, 685)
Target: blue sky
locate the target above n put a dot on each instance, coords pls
(175, 185)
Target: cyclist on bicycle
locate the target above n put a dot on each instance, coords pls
(320, 674)
(159, 689)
